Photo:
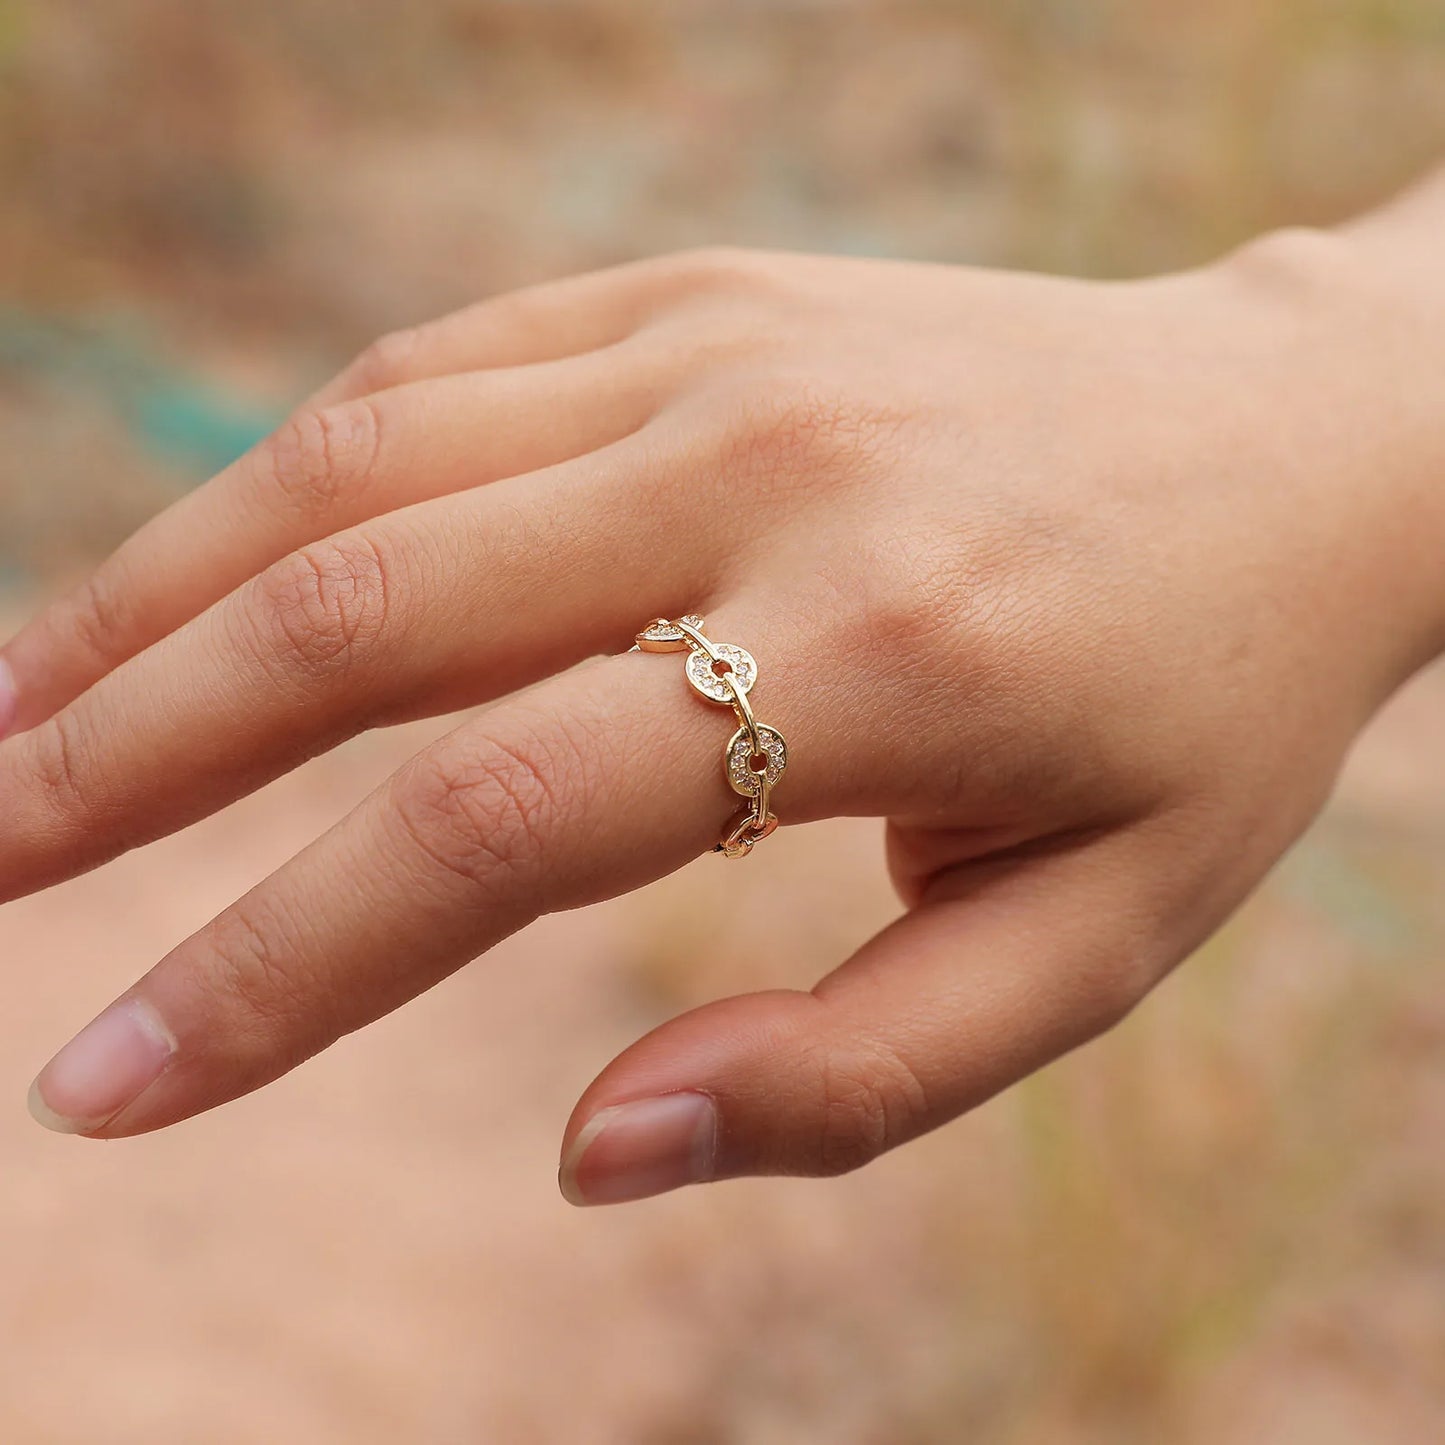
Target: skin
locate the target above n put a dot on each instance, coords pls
(1086, 588)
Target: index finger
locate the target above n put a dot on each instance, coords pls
(535, 376)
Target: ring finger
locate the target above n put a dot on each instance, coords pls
(588, 785)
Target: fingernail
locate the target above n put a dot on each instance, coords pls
(9, 698)
(106, 1066)
(648, 1146)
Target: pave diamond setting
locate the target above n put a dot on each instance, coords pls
(660, 635)
(710, 677)
(742, 774)
(756, 755)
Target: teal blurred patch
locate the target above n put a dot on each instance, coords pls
(196, 425)
(176, 417)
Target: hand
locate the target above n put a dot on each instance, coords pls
(1086, 588)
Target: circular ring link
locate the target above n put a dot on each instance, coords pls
(756, 755)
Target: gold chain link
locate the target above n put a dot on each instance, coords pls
(756, 754)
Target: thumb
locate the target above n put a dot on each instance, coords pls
(944, 1008)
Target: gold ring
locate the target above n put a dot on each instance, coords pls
(756, 754)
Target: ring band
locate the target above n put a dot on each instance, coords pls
(756, 755)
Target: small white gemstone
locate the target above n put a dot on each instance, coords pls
(714, 687)
(741, 775)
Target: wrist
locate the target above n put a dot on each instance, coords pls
(1353, 324)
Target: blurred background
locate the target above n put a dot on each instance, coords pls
(1225, 1222)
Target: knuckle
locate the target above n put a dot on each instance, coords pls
(55, 755)
(708, 338)
(716, 270)
(907, 602)
(253, 976)
(790, 428)
(485, 812)
(389, 361)
(525, 309)
(720, 262)
(101, 616)
(1294, 258)
(318, 459)
(325, 606)
(871, 1101)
